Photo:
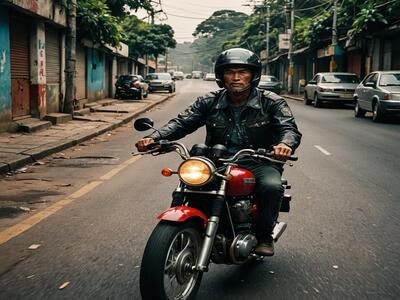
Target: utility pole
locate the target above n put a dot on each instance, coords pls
(290, 56)
(70, 57)
(166, 61)
(332, 65)
(267, 38)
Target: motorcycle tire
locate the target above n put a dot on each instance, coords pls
(170, 252)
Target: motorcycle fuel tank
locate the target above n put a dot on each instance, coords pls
(242, 182)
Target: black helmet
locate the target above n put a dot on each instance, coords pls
(237, 57)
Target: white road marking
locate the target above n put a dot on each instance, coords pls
(322, 150)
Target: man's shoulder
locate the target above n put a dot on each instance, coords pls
(271, 96)
(210, 96)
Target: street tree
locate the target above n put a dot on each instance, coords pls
(144, 38)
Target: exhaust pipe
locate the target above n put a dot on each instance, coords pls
(278, 230)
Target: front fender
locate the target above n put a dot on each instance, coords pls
(182, 213)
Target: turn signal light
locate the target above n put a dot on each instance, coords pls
(167, 172)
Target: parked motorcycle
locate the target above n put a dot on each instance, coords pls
(211, 219)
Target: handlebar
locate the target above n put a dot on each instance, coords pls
(164, 146)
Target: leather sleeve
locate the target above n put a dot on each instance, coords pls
(185, 123)
(284, 125)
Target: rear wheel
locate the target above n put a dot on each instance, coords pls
(358, 111)
(171, 89)
(168, 260)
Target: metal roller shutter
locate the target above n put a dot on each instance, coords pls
(80, 72)
(19, 61)
(53, 59)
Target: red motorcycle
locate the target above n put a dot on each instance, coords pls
(212, 218)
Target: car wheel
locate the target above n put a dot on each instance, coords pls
(140, 95)
(146, 94)
(358, 111)
(317, 102)
(377, 113)
(171, 90)
(306, 100)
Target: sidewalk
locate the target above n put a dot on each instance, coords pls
(20, 149)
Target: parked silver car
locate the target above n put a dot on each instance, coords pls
(379, 93)
(160, 82)
(331, 87)
(270, 83)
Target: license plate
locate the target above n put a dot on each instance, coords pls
(346, 95)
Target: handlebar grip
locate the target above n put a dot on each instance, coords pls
(293, 158)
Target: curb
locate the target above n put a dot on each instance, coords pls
(292, 98)
(56, 147)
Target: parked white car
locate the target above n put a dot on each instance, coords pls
(331, 87)
(378, 93)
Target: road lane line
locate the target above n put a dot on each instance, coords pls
(322, 150)
(24, 225)
(120, 168)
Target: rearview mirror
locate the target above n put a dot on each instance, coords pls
(143, 124)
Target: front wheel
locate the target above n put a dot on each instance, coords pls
(358, 111)
(306, 100)
(317, 102)
(168, 260)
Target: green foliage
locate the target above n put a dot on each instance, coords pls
(144, 38)
(95, 21)
(220, 31)
(100, 20)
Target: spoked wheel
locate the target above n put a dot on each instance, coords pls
(167, 270)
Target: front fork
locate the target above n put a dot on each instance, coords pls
(212, 226)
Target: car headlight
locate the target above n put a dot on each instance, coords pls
(196, 172)
(321, 89)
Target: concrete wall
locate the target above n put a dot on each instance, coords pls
(38, 69)
(5, 71)
(49, 9)
(95, 74)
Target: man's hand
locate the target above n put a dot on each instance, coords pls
(282, 151)
(142, 144)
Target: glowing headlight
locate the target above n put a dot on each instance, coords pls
(196, 172)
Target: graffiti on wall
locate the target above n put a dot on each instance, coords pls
(2, 61)
(41, 61)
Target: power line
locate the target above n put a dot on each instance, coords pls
(186, 17)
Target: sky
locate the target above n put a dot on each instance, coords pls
(185, 15)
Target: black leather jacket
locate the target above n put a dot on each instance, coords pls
(266, 121)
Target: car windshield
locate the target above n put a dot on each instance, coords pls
(268, 78)
(158, 76)
(390, 79)
(337, 78)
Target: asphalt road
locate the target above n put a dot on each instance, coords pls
(342, 241)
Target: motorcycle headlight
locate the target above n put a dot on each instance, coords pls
(196, 172)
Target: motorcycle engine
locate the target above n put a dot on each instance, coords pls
(242, 246)
(241, 214)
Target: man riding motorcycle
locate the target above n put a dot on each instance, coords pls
(241, 116)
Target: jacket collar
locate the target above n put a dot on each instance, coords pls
(253, 101)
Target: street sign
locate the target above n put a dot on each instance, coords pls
(284, 41)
